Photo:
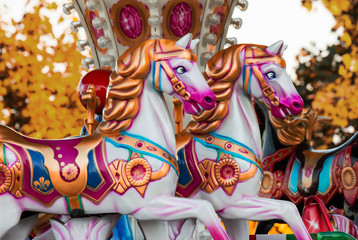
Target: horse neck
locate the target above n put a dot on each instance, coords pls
(241, 123)
(153, 121)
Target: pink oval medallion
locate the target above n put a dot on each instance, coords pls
(166, 155)
(120, 138)
(97, 32)
(130, 21)
(243, 150)
(181, 19)
(150, 148)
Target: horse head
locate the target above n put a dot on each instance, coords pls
(265, 77)
(175, 72)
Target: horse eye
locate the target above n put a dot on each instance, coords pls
(180, 70)
(271, 75)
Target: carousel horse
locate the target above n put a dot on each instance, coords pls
(128, 165)
(311, 179)
(222, 161)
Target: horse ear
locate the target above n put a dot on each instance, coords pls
(193, 43)
(284, 47)
(277, 48)
(185, 42)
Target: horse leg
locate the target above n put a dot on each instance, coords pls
(173, 208)
(237, 228)
(259, 209)
(182, 229)
(10, 214)
(154, 229)
(22, 230)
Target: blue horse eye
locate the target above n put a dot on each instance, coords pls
(271, 75)
(180, 70)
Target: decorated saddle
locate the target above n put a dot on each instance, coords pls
(45, 170)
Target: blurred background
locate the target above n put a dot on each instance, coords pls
(40, 66)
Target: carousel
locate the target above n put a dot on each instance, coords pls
(189, 135)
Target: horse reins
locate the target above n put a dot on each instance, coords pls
(162, 61)
(253, 66)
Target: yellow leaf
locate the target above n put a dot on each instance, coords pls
(346, 38)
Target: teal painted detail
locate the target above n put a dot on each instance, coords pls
(94, 179)
(147, 140)
(324, 179)
(250, 81)
(141, 152)
(227, 152)
(153, 74)
(68, 205)
(294, 177)
(129, 156)
(233, 141)
(160, 77)
(244, 76)
(3, 153)
(218, 157)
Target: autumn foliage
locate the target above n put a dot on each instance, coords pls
(328, 81)
(39, 74)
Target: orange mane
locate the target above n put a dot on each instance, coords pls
(126, 82)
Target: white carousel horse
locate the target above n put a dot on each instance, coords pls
(127, 166)
(221, 163)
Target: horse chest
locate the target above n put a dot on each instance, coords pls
(208, 164)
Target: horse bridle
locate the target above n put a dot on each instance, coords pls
(162, 61)
(253, 66)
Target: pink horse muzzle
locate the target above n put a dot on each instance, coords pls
(287, 106)
(199, 102)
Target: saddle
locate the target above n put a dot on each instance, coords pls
(58, 168)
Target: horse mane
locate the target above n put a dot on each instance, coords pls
(221, 71)
(126, 83)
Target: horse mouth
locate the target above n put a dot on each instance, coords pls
(193, 108)
(285, 112)
(198, 109)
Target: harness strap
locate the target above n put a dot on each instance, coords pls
(229, 146)
(253, 66)
(161, 60)
(144, 146)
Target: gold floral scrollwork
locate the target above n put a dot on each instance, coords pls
(5, 178)
(16, 180)
(42, 184)
(227, 172)
(267, 182)
(138, 172)
(349, 178)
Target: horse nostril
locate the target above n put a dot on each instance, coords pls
(297, 105)
(208, 99)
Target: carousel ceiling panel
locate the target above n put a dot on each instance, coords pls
(112, 26)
